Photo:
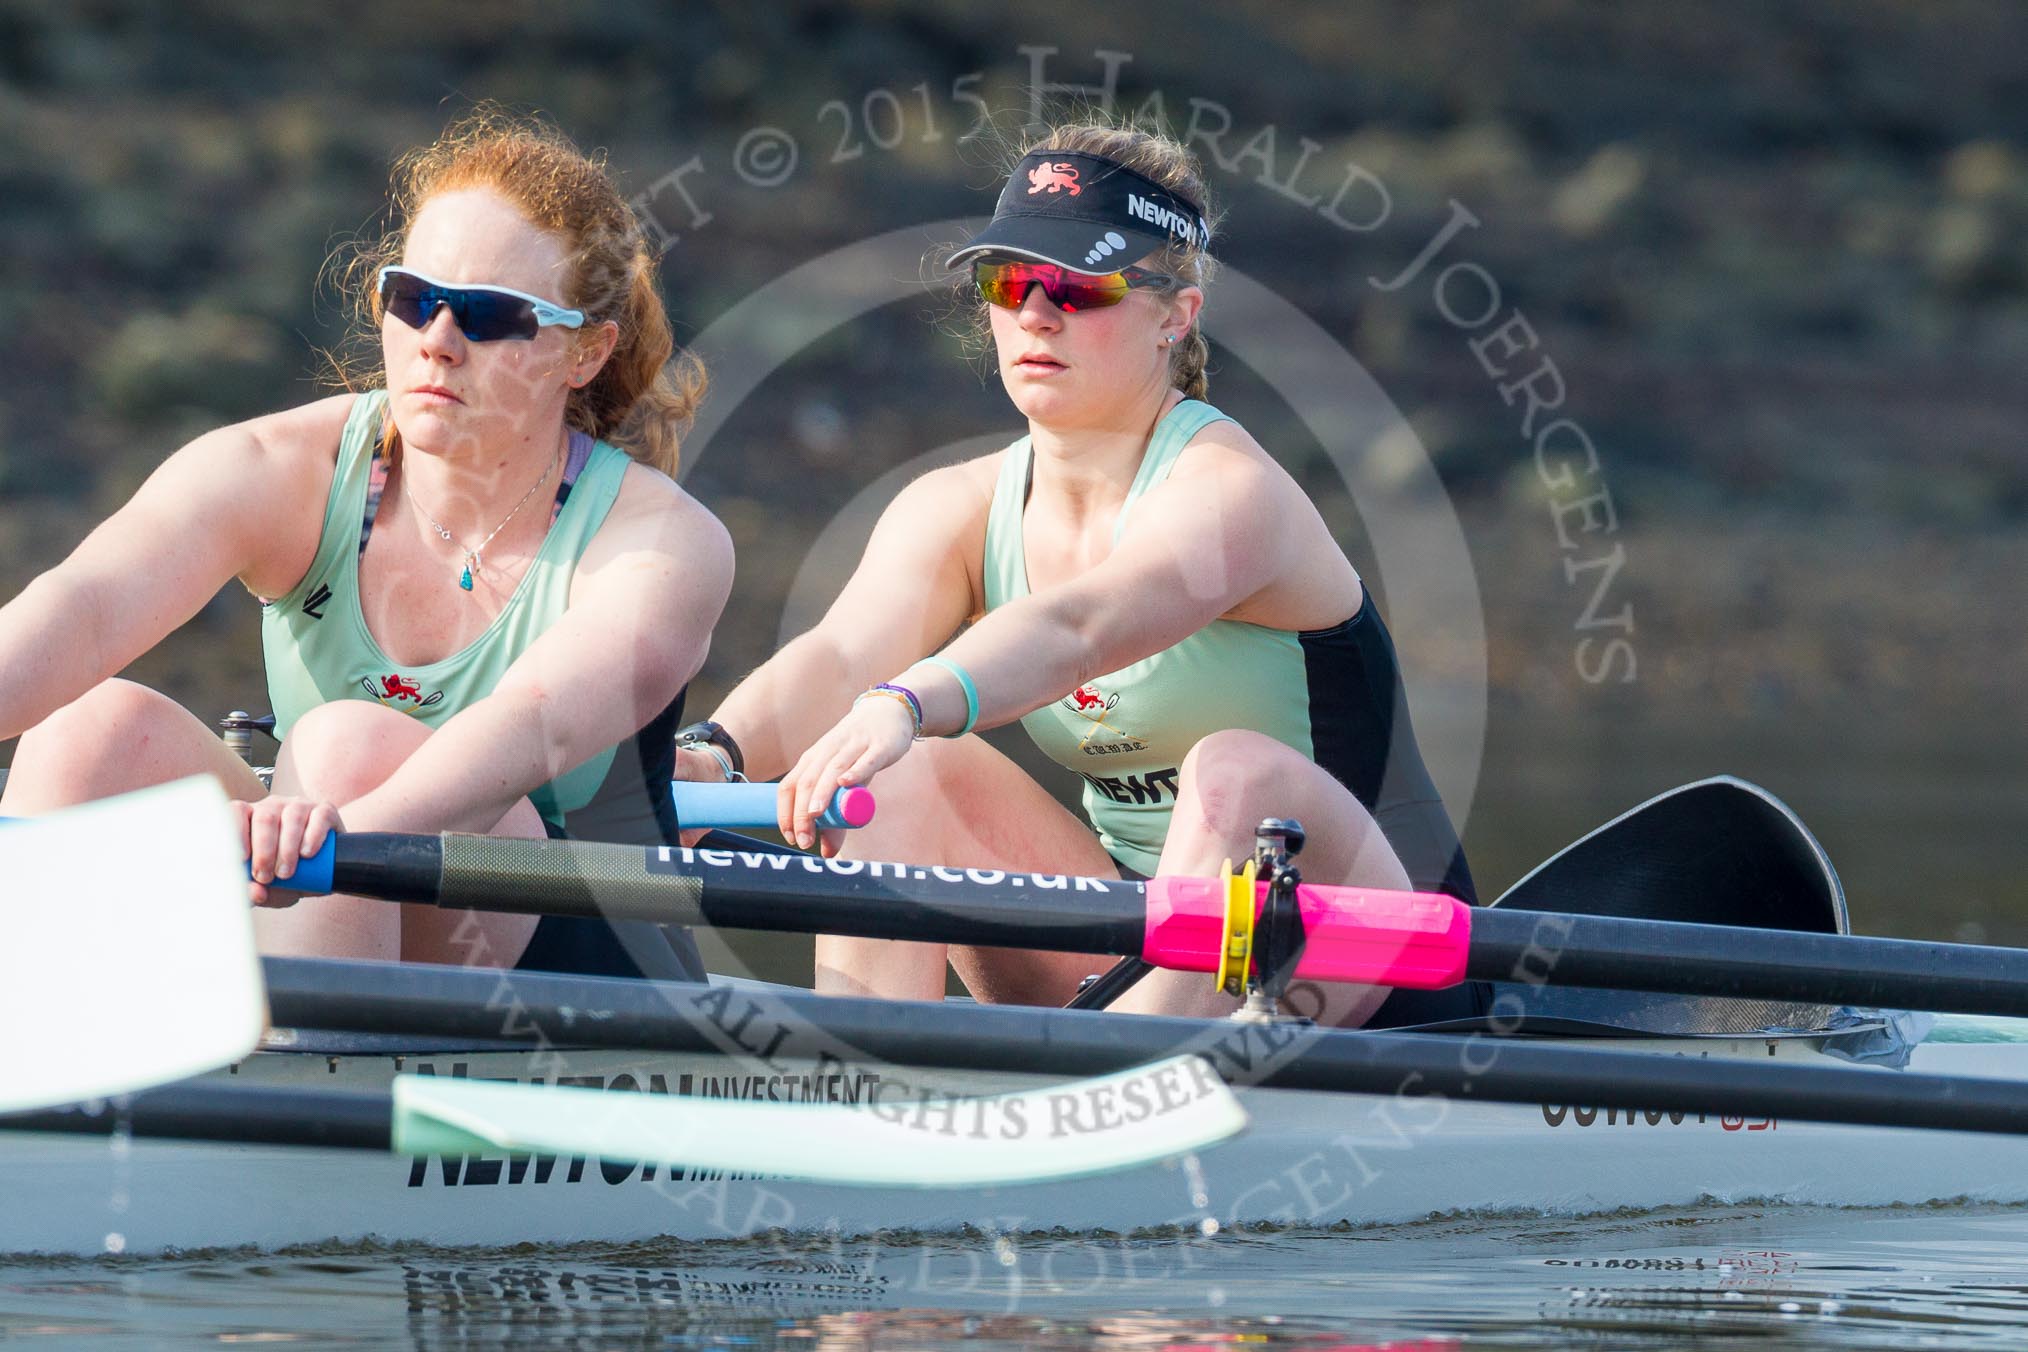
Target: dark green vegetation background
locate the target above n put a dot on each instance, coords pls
(1776, 250)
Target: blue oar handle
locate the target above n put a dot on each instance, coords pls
(313, 871)
(700, 804)
(697, 805)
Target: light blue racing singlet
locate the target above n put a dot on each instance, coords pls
(315, 639)
(1332, 694)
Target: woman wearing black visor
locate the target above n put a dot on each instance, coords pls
(1139, 583)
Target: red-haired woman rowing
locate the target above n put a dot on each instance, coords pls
(480, 581)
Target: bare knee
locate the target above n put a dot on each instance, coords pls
(1230, 780)
(932, 766)
(915, 790)
(936, 781)
(115, 737)
(522, 820)
(346, 748)
(962, 802)
(111, 713)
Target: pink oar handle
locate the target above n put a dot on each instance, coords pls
(1415, 939)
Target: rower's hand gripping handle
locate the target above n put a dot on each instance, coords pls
(697, 805)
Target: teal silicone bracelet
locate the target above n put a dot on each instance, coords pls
(971, 691)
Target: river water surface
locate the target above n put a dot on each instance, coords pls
(1716, 1277)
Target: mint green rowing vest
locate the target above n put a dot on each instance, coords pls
(1127, 732)
(316, 642)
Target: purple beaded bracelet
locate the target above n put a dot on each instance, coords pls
(902, 693)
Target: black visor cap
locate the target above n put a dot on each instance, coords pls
(1084, 213)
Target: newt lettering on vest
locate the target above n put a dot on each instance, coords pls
(1148, 788)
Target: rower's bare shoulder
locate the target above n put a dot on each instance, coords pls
(304, 437)
(1224, 440)
(979, 475)
(1225, 457)
(648, 492)
(938, 520)
(1315, 586)
(261, 448)
(654, 512)
(951, 499)
(281, 462)
(261, 487)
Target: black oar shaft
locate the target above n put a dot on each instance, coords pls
(784, 1028)
(1722, 960)
(755, 890)
(244, 1114)
(774, 1026)
(798, 893)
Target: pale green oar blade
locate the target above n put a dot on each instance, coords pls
(126, 946)
(1084, 1127)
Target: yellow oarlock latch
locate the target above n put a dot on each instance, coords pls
(1235, 952)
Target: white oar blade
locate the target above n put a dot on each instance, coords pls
(126, 946)
(1085, 1127)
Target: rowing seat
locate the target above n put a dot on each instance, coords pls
(1720, 851)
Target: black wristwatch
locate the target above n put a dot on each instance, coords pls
(705, 733)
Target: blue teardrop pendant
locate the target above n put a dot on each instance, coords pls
(465, 578)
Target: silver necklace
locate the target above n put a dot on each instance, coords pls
(472, 566)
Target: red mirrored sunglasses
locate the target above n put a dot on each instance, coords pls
(1006, 282)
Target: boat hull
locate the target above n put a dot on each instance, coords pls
(1309, 1158)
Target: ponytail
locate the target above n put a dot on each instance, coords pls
(646, 395)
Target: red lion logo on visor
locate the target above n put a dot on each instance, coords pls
(1053, 178)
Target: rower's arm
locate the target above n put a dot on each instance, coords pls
(244, 501)
(915, 586)
(1195, 547)
(645, 597)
